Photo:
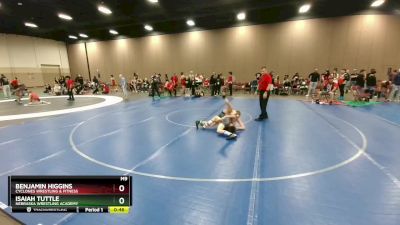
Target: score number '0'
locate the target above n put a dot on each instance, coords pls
(121, 200)
(121, 188)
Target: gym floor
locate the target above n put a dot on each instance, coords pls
(308, 164)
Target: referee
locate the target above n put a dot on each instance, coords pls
(264, 87)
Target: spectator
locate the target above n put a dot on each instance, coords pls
(347, 78)
(230, 83)
(96, 85)
(133, 85)
(146, 84)
(61, 81)
(254, 84)
(188, 84)
(371, 82)
(326, 75)
(6, 86)
(123, 84)
(391, 75)
(218, 84)
(106, 89)
(57, 89)
(396, 88)
(335, 73)
(47, 89)
(155, 83)
(15, 83)
(328, 90)
(213, 81)
(342, 84)
(314, 78)
(360, 80)
(113, 83)
(183, 84)
(79, 84)
(174, 80)
(70, 88)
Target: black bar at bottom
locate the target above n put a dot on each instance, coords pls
(60, 209)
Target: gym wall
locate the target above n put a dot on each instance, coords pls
(361, 42)
(35, 61)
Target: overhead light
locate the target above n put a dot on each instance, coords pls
(19, 3)
(148, 27)
(64, 16)
(190, 23)
(83, 35)
(153, 1)
(104, 10)
(113, 32)
(73, 37)
(377, 3)
(305, 8)
(241, 16)
(28, 24)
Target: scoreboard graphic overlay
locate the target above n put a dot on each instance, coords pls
(70, 194)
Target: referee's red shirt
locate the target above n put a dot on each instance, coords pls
(264, 81)
(70, 84)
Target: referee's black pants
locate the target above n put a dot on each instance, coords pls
(263, 104)
(71, 94)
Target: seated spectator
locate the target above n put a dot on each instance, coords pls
(328, 90)
(47, 89)
(383, 90)
(57, 89)
(303, 86)
(371, 82)
(254, 84)
(146, 85)
(395, 93)
(106, 89)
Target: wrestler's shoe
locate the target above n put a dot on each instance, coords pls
(232, 137)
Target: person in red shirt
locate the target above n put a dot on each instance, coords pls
(342, 84)
(174, 80)
(33, 97)
(230, 83)
(264, 88)
(328, 91)
(106, 89)
(14, 83)
(113, 83)
(70, 88)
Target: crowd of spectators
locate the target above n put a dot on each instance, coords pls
(332, 85)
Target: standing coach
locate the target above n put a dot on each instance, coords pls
(264, 87)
